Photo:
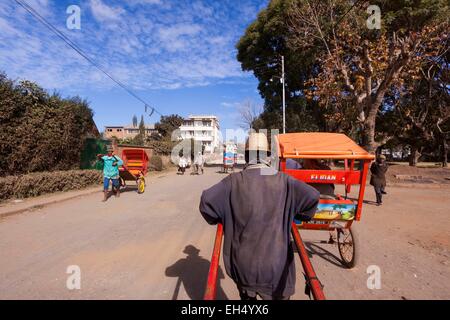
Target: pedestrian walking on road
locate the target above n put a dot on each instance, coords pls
(378, 170)
(111, 164)
(182, 164)
(198, 163)
(257, 207)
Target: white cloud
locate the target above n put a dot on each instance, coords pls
(7, 29)
(178, 37)
(103, 12)
(132, 2)
(158, 44)
(229, 104)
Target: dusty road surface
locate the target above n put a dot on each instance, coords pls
(157, 246)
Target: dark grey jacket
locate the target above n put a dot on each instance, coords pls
(378, 174)
(257, 211)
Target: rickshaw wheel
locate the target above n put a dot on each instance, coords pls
(141, 185)
(347, 245)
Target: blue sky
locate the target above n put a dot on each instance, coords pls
(178, 55)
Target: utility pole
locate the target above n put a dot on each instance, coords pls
(284, 94)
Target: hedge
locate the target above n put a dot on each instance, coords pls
(35, 184)
(39, 131)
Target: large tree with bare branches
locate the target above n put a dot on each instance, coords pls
(249, 112)
(418, 112)
(358, 64)
(336, 61)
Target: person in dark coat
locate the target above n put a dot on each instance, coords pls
(257, 207)
(378, 171)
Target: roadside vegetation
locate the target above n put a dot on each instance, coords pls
(41, 131)
(38, 183)
(42, 137)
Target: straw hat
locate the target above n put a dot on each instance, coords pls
(257, 141)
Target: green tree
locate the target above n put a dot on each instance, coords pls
(334, 61)
(166, 138)
(418, 113)
(142, 126)
(140, 138)
(259, 51)
(168, 124)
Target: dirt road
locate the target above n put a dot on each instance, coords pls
(134, 247)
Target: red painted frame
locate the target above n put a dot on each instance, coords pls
(211, 284)
(314, 283)
(348, 177)
(128, 154)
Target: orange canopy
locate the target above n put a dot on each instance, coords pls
(320, 145)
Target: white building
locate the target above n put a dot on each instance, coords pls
(204, 129)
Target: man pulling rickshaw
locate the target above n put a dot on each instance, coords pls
(254, 209)
(259, 259)
(111, 164)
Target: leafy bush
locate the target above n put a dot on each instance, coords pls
(156, 163)
(161, 147)
(35, 184)
(39, 131)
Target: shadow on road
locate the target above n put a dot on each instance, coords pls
(314, 249)
(192, 273)
(129, 188)
(223, 172)
(364, 201)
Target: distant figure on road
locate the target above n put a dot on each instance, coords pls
(111, 164)
(229, 158)
(198, 163)
(182, 164)
(257, 207)
(378, 170)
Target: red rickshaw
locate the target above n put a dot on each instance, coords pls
(135, 167)
(334, 214)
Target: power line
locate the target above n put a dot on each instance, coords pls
(77, 49)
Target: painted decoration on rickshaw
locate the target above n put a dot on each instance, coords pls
(334, 211)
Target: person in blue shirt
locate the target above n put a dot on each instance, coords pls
(111, 164)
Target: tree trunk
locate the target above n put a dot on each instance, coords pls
(369, 134)
(444, 152)
(414, 156)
